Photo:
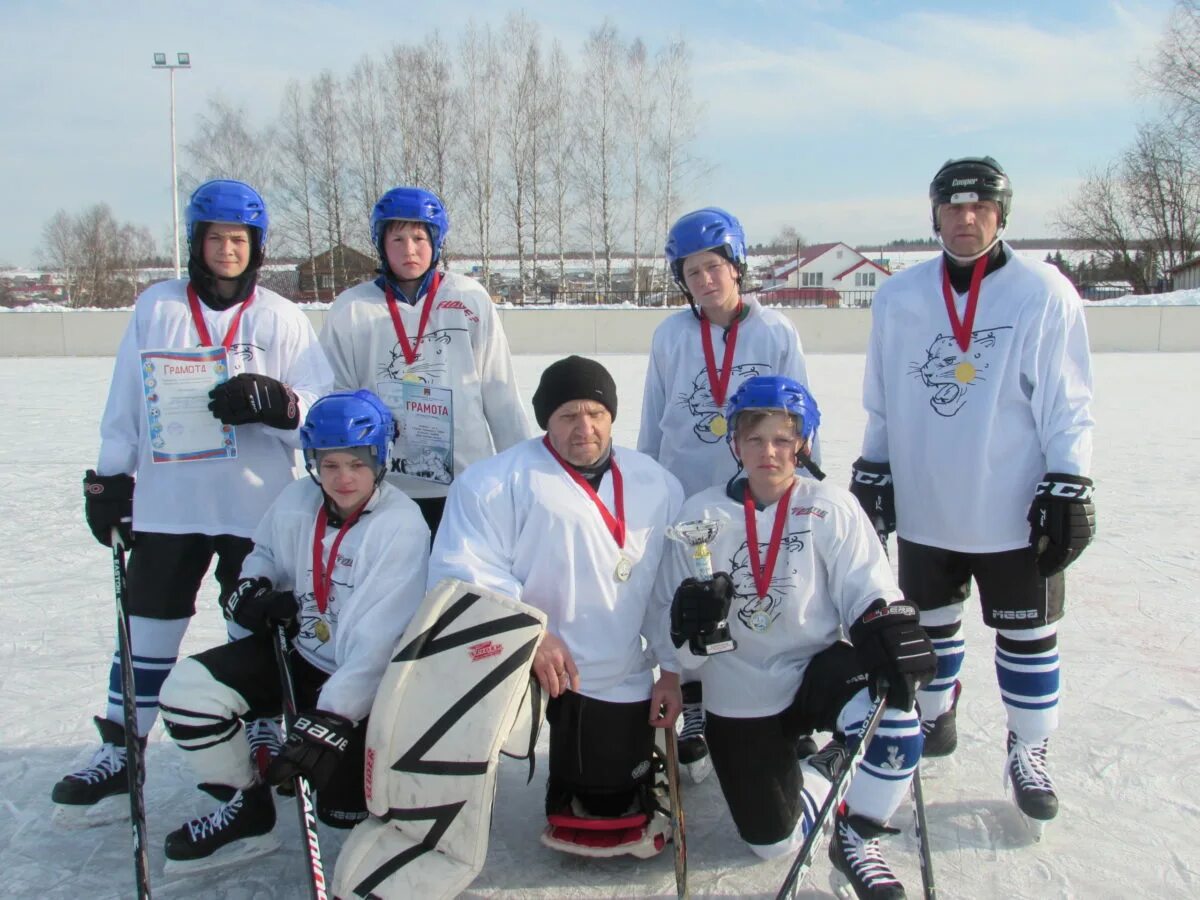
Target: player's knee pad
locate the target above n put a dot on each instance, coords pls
(446, 708)
(202, 716)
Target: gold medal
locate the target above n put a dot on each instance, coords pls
(321, 629)
(964, 372)
(411, 378)
(624, 569)
(719, 426)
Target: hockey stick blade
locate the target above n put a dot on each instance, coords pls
(918, 798)
(837, 792)
(135, 763)
(678, 826)
(304, 793)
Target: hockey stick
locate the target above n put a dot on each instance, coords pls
(918, 794)
(135, 764)
(304, 794)
(678, 829)
(918, 797)
(823, 824)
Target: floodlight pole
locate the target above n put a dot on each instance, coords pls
(184, 61)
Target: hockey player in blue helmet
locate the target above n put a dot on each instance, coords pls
(1002, 346)
(199, 492)
(340, 561)
(797, 565)
(417, 333)
(698, 358)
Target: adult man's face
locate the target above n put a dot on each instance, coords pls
(969, 228)
(580, 431)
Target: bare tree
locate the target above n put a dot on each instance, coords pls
(294, 217)
(1098, 214)
(435, 95)
(676, 130)
(479, 114)
(225, 145)
(640, 107)
(557, 147)
(328, 143)
(58, 251)
(1174, 73)
(600, 133)
(368, 132)
(518, 129)
(98, 255)
(1162, 188)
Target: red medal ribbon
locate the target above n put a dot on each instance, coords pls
(762, 574)
(962, 329)
(410, 353)
(616, 525)
(202, 328)
(322, 576)
(719, 384)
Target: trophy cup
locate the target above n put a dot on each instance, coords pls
(696, 535)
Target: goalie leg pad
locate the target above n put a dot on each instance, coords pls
(457, 683)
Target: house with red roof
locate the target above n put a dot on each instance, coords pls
(824, 275)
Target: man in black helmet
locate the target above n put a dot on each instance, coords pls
(980, 461)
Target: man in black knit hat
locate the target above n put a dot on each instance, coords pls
(574, 526)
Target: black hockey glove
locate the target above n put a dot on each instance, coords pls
(1062, 520)
(258, 607)
(871, 485)
(315, 745)
(108, 504)
(892, 645)
(699, 611)
(250, 398)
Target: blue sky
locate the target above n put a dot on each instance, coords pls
(827, 116)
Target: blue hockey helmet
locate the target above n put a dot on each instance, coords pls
(225, 200)
(344, 420)
(710, 228)
(410, 204)
(775, 392)
(968, 180)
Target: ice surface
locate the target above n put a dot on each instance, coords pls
(1127, 758)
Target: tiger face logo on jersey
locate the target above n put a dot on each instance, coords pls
(700, 404)
(759, 613)
(951, 372)
(430, 366)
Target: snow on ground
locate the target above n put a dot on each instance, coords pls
(1127, 758)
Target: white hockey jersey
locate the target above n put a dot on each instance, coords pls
(213, 496)
(518, 524)
(830, 568)
(969, 435)
(678, 410)
(378, 582)
(463, 349)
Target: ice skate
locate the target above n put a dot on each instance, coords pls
(265, 737)
(693, 748)
(941, 734)
(99, 792)
(1032, 789)
(239, 829)
(859, 869)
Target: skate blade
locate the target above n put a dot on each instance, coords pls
(1035, 827)
(699, 770)
(238, 852)
(103, 812)
(840, 885)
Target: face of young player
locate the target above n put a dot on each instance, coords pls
(968, 228)
(346, 479)
(768, 451)
(712, 281)
(580, 431)
(408, 249)
(226, 249)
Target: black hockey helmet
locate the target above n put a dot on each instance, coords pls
(967, 180)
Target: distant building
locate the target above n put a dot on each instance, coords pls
(822, 271)
(1186, 275)
(327, 275)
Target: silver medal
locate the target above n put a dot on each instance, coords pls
(624, 569)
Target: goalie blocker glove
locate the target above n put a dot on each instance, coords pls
(893, 647)
(871, 485)
(315, 745)
(1062, 521)
(258, 607)
(699, 613)
(249, 397)
(108, 504)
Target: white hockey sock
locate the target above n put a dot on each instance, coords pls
(155, 645)
(1027, 670)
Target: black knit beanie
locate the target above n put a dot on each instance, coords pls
(573, 378)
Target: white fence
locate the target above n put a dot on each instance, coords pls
(587, 331)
